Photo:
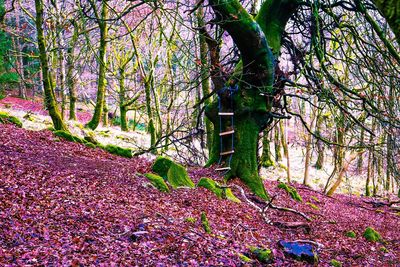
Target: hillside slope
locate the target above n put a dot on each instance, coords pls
(64, 203)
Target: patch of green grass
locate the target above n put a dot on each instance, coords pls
(291, 191)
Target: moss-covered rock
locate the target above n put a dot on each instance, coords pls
(350, 234)
(90, 137)
(220, 191)
(161, 166)
(211, 185)
(68, 136)
(291, 191)
(205, 223)
(336, 263)
(177, 176)
(158, 182)
(116, 150)
(371, 235)
(7, 118)
(262, 255)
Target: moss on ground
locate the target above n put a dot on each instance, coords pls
(90, 145)
(161, 166)
(205, 223)
(336, 263)
(7, 118)
(371, 235)
(218, 190)
(177, 176)
(190, 220)
(69, 137)
(262, 255)
(291, 191)
(158, 182)
(350, 234)
(119, 151)
(244, 258)
(313, 206)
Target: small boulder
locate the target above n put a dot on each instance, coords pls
(299, 251)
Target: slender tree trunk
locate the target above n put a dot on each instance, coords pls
(122, 108)
(277, 144)
(20, 61)
(50, 100)
(204, 74)
(70, 79)
(266, 156)
(101, 86)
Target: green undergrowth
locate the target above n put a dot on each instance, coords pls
(158, 182)
(7, 118)
(291, 191)
(371, 235)
(116, 150)
(220, 191)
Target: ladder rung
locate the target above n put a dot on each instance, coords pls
(226, 133)
(223, 169)
(226, 113)
(227, 153)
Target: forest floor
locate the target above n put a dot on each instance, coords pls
(34, 117)
(62, 203)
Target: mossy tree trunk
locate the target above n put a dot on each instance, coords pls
(49, 96)
(259, 42)
(266, 156)
(101, 83)
(204, 73)
(70, 79)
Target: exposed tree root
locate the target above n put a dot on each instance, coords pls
(268, 205)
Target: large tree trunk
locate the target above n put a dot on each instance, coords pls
(50, 100)
(259, 43)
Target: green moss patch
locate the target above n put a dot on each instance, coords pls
(371, 235)
(313, 206)
(335, 263)
(90, 145)
(116, 150)
(350, 234)
(262, 255)
(177, 176)
(218, 190)
(291, 191)
(69, 137)
(161, 166)
(158, 182)
(244, 258)
(205, 223)
(190, 220)
(7, 118)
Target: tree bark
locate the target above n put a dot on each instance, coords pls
(50, 100)
(259, 44)
(101, 83)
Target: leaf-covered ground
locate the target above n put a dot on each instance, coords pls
(62, 203)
